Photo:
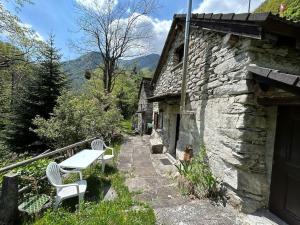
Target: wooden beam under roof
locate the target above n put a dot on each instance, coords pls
(273, 77)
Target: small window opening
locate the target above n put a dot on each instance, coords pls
(178, 57)
(161, 120)
(158, 120)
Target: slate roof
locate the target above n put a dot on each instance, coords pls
(167, 96)
(252, 25)
(146, 82)
(276, 77)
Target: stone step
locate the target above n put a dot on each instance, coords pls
(156, 146)
(172, 159)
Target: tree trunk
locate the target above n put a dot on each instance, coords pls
(109, 68)
(13, 86)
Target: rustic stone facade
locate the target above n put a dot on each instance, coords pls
(238, 133)
(145, 108)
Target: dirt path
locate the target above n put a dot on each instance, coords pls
(147, 175)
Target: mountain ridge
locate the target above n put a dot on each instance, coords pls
(76, 68)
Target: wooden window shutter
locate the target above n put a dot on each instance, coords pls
(156, 120)
(161, 120)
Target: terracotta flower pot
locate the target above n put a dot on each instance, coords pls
(188, 153)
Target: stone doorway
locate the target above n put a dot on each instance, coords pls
(285, 183)
(176, 134)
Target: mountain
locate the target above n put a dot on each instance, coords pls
(144, 62)
(76, 68)
(292, 8)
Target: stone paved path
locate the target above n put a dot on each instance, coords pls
(150, 179)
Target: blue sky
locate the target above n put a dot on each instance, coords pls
(59, 17)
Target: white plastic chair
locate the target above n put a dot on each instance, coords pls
(64, 191)
(99, 144)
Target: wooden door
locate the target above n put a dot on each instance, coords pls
(177, 133)
(285, 183)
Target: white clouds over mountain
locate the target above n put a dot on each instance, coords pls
(157, 30)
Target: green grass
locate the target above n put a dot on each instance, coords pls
(122, 210)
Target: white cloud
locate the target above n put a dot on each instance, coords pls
(97, 4)
(38, 36)
(158, 30)
(150, 34)
(226, 6)
(32, 33)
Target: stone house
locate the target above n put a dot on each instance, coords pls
(243, 105)
(145, 108)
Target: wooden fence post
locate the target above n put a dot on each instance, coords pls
(9, 200)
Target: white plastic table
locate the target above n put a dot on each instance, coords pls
(82, 159)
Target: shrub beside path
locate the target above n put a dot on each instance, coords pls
(150, 179)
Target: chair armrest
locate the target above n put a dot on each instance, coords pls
(68, 185)
(72, 171)
(104, 145)
(112, 150)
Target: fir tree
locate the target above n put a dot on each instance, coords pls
(36, 97)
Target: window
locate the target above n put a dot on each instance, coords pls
(158, 120)
(161, 120)
(178, 56)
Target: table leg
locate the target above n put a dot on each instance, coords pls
(103, 163)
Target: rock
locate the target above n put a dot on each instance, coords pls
(214, 84)
(247, 99)
(262, 216)
(241, 87)
(249, 121)
(245, 135)
(232, 64)
(110, 195)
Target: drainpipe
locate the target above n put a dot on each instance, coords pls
(185, 56)
(249, 6)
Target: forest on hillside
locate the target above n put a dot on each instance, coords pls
(291, 8)
(45, 119)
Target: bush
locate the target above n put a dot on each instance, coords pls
(126, 91)
(199, 178)
(77, 117)
(31, 174)
(292, 8)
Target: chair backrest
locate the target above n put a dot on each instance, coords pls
(97, 144)
(53, 174)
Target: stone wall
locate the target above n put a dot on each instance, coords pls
(169, 80)
(237, 132)
(145, 110)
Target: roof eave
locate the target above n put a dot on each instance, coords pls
(254, 26)
(165, 50)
